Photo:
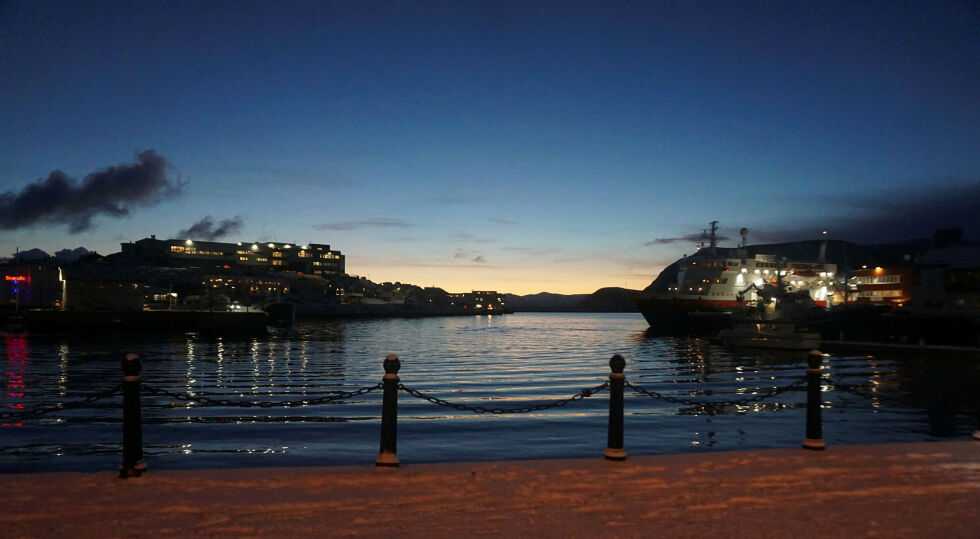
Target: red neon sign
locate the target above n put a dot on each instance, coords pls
(16, 278)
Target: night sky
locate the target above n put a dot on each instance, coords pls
(516, 146)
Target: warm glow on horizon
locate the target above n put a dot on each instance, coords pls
(519, 281)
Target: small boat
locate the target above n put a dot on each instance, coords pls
(774, 334)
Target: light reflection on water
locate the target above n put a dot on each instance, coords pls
(500, 361)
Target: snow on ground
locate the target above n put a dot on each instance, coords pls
(895, 490)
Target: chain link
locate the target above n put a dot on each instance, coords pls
(718, 404)
(62, 406)
(521, 410)
(854, 390)
(334, 396)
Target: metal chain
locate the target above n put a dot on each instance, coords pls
(333, 397)
(521, 410)
(62, 406)
(860, 393)
(718, 404)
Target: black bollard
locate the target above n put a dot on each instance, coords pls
(132, 464)
(388, 456)
(614, 445)
(814, 424)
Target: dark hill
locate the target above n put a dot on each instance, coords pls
(607, 300)
(604, 300)
(544, 302)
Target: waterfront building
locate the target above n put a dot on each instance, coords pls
(100, 288)
(890, 286)
(29, 285)
(314, 258)
(948, 282)
(488, 300)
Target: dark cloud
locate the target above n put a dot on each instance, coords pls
(470, 238)
(60, 200)
(693, 238)
(462, 254)
(380, 222)
(886, 216)
(207, 231)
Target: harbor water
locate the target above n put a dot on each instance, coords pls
(509, 361)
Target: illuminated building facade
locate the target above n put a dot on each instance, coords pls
(314, 258)
(487, 300)
(29, 285)
(884, 286)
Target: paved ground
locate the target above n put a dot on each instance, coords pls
(897, 490)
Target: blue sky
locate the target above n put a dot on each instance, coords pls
(517, 146)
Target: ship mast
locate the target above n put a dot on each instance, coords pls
(712, 239)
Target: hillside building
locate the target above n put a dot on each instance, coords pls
(315, 258)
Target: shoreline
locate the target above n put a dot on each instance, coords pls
(898, 490)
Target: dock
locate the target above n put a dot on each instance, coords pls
(926, 489)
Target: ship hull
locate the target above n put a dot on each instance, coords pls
(685, 317)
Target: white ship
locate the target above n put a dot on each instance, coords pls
(716, 281)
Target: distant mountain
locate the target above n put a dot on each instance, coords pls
(67, 256)
(607, 300)
(32, 254)
(544, 302)
(604, 300)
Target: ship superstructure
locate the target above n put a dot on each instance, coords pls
(726, 281)
(719, 280)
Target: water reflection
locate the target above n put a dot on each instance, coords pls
(512, 361)
(16, 386)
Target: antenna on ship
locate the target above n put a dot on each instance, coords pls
(712, 239)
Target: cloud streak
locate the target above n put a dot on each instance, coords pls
(111, 192)
(206, 230)
(379, 222)
(462, 254)
(692, 238)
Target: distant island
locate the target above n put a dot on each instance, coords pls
(604, 300)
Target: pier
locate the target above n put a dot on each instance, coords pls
(926, 489)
